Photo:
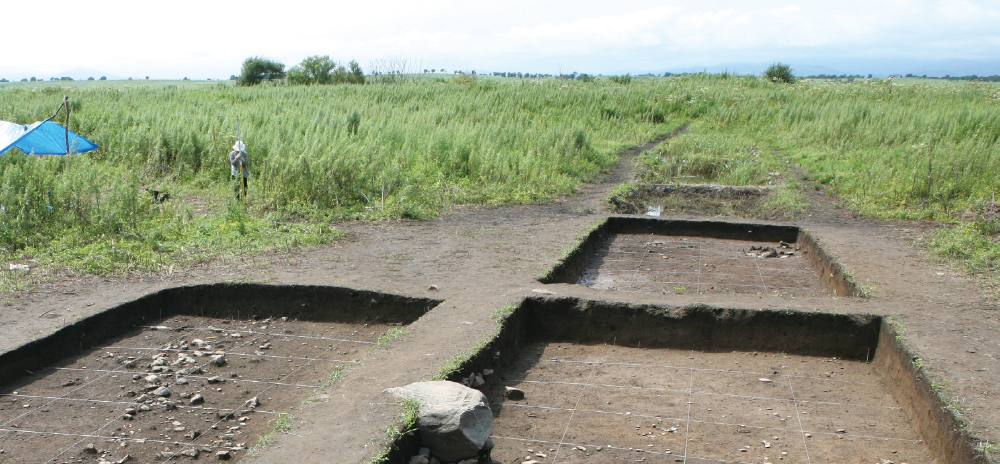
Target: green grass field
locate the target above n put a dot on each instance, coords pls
(893, 149)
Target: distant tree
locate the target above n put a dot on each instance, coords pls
(33, 79)
(103, 78)
(65, 78)
(257, 69)
(90, 78)
(312, 70)
(357, 76)
(24, 79)
(232, 77)
(147, 78)
(780, 72)
(4, 80)
(623, 80)
(433, 70)
(185, 79)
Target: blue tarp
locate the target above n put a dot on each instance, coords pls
(42, 138)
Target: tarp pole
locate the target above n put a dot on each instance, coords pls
(66, 104)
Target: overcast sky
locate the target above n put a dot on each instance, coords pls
(201, 39)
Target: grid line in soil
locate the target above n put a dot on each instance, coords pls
(90, 406)
(798, 417)
(721, 415)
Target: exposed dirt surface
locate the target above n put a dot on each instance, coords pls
(664, 265)
(480, 258)
(110, 397)
(596, 404)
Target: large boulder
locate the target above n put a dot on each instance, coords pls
(454, 421)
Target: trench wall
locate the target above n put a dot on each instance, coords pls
(223, 300)
(831, 273)
(705, 328)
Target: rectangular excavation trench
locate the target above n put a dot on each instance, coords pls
(73, 388)
(662, 256)
(610, 382)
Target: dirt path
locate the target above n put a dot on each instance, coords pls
(481, 258)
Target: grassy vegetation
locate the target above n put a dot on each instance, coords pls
(454, 364)
(317, 154)
(406, 423)
(889, 148)
(282, 423)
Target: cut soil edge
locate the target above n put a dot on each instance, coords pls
(833, 276)
(223, 300)
(871, 338)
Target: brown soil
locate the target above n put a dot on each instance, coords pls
(596, 404)
(85, 399)
(481, 258)
(659, 264)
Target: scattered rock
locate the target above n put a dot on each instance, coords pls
(454, 421)
(162, 392)
(253, 402)
(145, 408)
(192, 453)
(143, 398)
(181, 381)
(223, 455)
(432, 287)
(197, 399)
(170, 405)
(487, 372)
(90, 448)
(764, 380)
(218, 360)
(215, 379)
(543, 291)
(419, 460)
(153, 378)
(514, 393)
(478, 381)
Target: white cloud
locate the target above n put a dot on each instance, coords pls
(209, 38)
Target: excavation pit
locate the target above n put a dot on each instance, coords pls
(612, 382)
(651, 256)
(289, 342)
(671, 405)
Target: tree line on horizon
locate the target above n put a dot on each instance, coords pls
(313, 70)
